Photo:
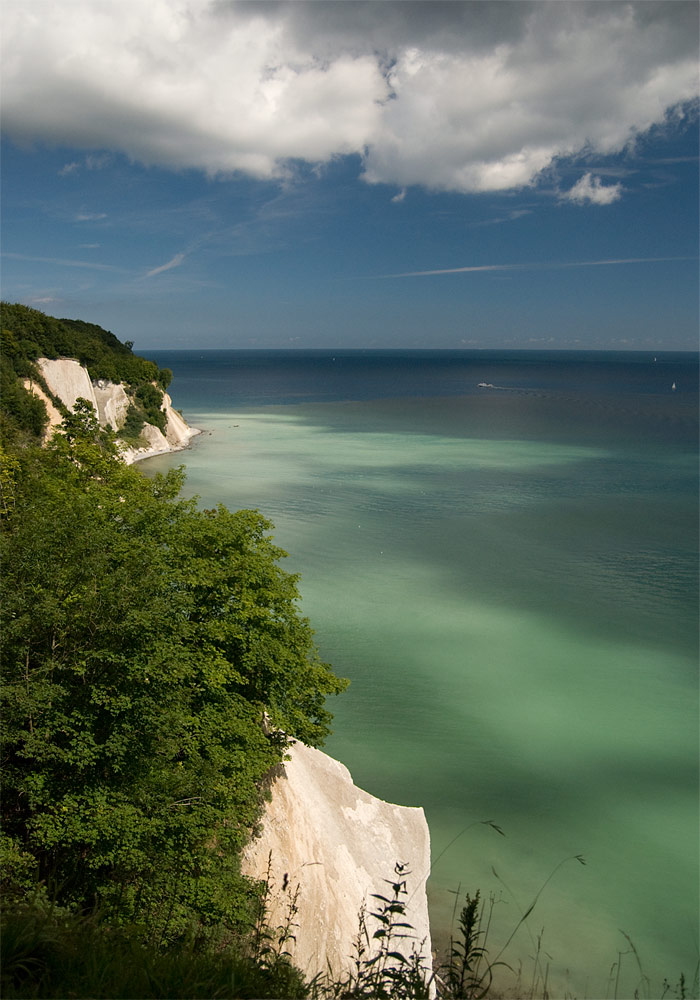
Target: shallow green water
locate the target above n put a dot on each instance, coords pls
(514, 598)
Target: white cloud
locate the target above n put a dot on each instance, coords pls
(62, 262)
(537, 266)
(97, 161)
(461, 96)
(93, 161)
(590, 189)
(174, 262)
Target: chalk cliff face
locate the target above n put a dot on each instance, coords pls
(338, 844)
(69, 380)
(112, 403)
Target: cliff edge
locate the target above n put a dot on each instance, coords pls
(337, 844)
(69, 380)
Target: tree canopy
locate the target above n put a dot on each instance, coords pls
(143, 641)
(30, 334)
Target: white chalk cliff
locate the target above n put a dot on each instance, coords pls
(338, 844)
(69, 380)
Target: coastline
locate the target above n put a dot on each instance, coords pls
(69, 380)
(133, 455)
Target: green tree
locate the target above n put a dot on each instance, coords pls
(165, 377)
(23, 415)
(150, 398)
(28, 334)
(133, 424)
(144, 639)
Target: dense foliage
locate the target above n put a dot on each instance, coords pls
(144, 639)
(32, 334)
(28, 334)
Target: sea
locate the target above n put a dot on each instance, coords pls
(500, 550)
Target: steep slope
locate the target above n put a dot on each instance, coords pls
(47, 364)
(338, 844)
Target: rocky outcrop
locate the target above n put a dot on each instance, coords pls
(69, 380)
(336, 844)
(178, 432)
(112, 403)
(178, 435)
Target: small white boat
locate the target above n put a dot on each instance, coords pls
(673, 387)
(484, 385)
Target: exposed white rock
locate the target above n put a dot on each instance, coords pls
(112, 403)
(156, 444)
(338, 844)
(178, 432)
(69, 380)
(178, 435)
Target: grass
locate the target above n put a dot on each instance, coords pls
(48, 952)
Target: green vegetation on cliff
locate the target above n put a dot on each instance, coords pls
(145, 641)
(28, 334)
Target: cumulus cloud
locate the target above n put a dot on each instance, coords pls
(590, 189)
(461, 96)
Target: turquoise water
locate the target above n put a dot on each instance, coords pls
(508, 576)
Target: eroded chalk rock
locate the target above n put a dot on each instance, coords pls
(177, 432)
(69, 380)
(337, 844)
(112, 403)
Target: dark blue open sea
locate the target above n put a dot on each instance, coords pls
(508, 574)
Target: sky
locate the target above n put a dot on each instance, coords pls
(342, 173)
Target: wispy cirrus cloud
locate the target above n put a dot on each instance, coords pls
(64, 262)
(512, 216)
(537, 266)
(93, 161)
(173, 262)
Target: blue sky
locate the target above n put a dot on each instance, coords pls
(274, 174)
